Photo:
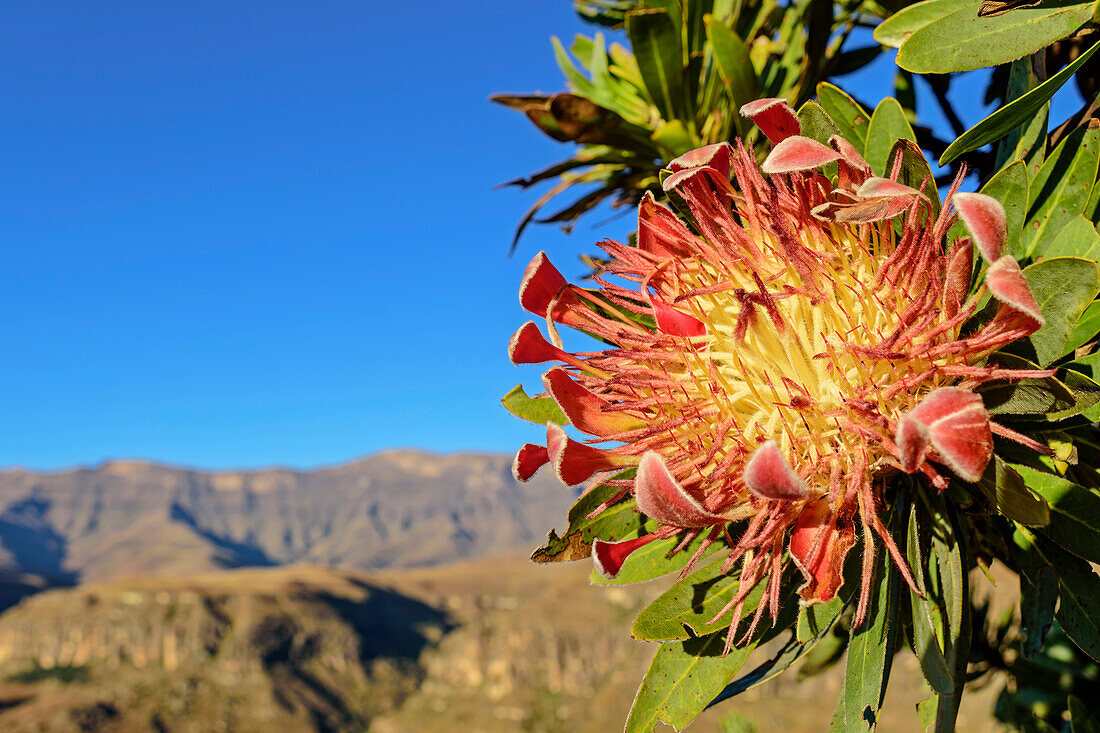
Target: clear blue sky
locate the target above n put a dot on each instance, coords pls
(240, 234)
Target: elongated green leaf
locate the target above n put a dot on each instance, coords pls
(949, 585)
(1013, 114)
(896, 29)
(656, 43)
(851, 118)
(926, 644)
(1060, 190)
(731, 56)
(598, 90)
(582, 48)
(1022, 142)
(689, 607)
(617, 522)
(1074, 513)
(888, 125)
(1063, 287)
(962, 41)
(871, 652)
(539, 410)
(1005, 489)
(681, 680)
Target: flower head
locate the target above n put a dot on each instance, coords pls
(771, 356)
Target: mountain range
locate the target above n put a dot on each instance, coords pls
(393, 509)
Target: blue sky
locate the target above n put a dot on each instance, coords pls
(240, 235)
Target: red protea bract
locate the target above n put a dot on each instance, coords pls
(770, 357)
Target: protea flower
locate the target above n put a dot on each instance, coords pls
(772, 358)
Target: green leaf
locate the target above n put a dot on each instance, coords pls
(1085, 391)
(688, 608)
(582, 49)
(926, 613)
(1074, 513)
(1005, 489)
(871, 652)
(888, 125)
(1015, 113)
(1062, 287)
(949, 586)
(617, 522)
(1010, 187)
(656, 43)
(1026, 142)
(731, 56)
(1078, 238)
(1079, 606)
(1087, 328)
(652, 561)
(962, 41)
(813, 620)
(539, 410)
(816, 123)
(576, 80)
(1031, 396)
(681, 680)
(896, 29)
(1051, 398)
(848, 115)
(1060, 190)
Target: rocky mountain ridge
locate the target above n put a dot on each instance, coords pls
(393, 509)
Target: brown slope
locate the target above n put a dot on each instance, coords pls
(394, 509)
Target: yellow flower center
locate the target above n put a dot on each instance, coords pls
(789, 362)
